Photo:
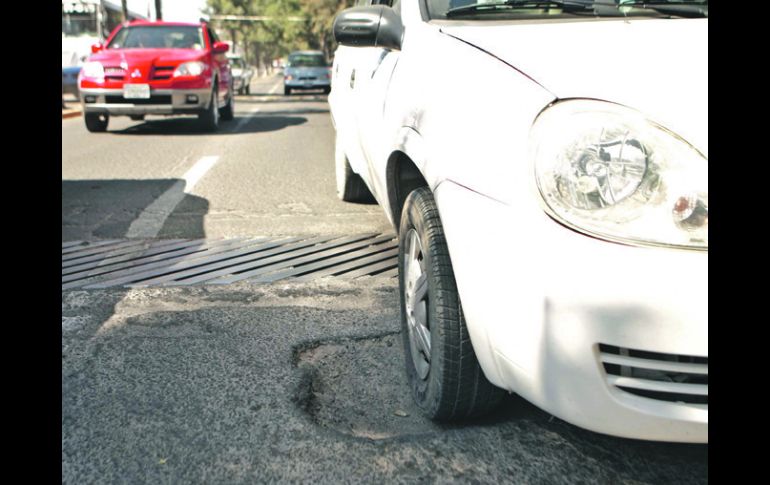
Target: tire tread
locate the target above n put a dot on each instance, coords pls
(463, 390)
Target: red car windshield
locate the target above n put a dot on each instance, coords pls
(158, 37)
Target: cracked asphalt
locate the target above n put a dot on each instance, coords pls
(296, 383)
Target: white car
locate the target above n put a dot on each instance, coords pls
(545, 164)
(242, 74)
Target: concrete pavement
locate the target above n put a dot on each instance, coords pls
(70, 107)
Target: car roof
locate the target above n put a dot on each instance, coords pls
(162, 22)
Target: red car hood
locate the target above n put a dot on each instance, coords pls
(144, 58)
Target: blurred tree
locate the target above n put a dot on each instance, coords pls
(273, 38)
(278, 33)
(321, 15)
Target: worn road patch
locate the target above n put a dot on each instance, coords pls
(296, 382)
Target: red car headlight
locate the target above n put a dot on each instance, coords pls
(194, 68)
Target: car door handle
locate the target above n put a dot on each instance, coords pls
(352, 78)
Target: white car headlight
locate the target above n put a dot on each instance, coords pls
(194, 68)
(93, 69)
(606, 170)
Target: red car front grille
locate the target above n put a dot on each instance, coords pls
(114, 73)
(162, 72)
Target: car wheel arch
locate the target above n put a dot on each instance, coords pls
(403, 176)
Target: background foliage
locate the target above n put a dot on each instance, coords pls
(261, 41)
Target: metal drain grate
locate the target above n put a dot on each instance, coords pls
(180, 262)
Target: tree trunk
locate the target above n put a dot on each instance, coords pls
(257, 57)
(124, 7)
(158, 12)
(234, 38)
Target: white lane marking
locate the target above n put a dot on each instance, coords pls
(245, 119)
(198, 171)
(151, 220)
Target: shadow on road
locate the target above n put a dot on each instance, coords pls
(515, 409)
(105, 209)
(260, 122)
(278, 98)
(296, 111)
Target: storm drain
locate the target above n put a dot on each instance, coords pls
(180, 262)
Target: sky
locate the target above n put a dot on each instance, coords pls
(174, 10)
(182, 10)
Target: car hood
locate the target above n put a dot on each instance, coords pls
(147, 57)
(656, 66)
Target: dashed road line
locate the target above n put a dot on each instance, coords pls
(248, 117)
(151, 220)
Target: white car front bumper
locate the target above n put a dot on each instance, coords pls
(578, 325)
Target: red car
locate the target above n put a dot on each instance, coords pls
(160, 68)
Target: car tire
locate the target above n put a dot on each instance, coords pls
(327, 90)
(446, 379)
(248, 88)
(286, 91)
(97, 122)
(228, 112)
(350, 186)
(209, 119)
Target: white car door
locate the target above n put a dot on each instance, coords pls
(347, 66)
(372, 78)
(342, 102)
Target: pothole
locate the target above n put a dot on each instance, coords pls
(359, 388)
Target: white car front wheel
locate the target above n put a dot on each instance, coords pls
(446, 379)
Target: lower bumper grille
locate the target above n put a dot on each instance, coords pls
(654, 375)
(153, 99)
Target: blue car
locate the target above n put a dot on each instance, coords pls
(307, 70)
(71, 62)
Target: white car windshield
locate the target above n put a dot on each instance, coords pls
(527, 9)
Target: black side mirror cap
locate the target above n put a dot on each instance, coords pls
(373, 26)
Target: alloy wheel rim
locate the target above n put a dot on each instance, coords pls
(416, 303)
